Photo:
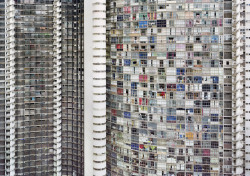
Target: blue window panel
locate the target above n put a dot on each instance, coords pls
(134, 85)
(127, 115)
(197, 168)
(180, 71)
(119, 17)
(206, 128)
(143, 55)
(190, 110)
(221, 128)
(215, 79)
(134, 146)
(197, 79)
(152, 39)
(180, 87)
(214, 39)
(143, 24)
(171, 118)
(113, 119)
(127, 62)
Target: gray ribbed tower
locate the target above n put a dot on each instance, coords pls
(53, 118)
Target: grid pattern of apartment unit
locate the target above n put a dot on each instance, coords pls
(240, 90)
(2, 88)
(169, 85)
(44, 118)
(72, 87)
(29, 81)
(242, 11)
(44, 80)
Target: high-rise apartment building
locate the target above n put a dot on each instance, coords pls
(177, 101)
(53, 87)
(239, 92)
(241, 87)
(2, 88)
(169, 82)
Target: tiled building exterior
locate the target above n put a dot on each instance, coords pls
(2, 88)
(241, 106)
(177, 87)
(48, 74)
(29, 87)
(244, 14)
(169, 85)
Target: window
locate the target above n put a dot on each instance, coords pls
(161, 23)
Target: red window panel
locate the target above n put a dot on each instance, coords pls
(113, 112)
(119, 91)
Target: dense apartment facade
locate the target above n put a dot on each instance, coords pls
(53, 87)
(2, 88)
(169, 85)
(176, 103)
(241, 75)
(239, 79)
